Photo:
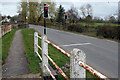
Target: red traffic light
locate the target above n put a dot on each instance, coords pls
(65, 14)
(46, 8)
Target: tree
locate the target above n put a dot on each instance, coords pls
(23, 10)
(73, 14)
(112, 19)
(86, 10)
(61, 12)
(3, 17)
(33, 12)
(8, 17)
(88, 19)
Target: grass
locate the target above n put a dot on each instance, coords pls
(28, 39)
(6, 43)
(59, 58)
(97, 24)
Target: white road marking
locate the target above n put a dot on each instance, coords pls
(77, 44)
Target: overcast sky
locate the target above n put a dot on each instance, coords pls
(101, 8)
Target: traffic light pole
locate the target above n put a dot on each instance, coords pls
(45, 26)
(45, 16)
(65, 23)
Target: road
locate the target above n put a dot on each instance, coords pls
(101, 54)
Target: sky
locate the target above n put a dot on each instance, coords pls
(101, 8)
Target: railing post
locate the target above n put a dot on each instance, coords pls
(44, 58)
(76, 71)
(35, 42)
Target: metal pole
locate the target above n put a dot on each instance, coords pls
(45, 26)
(65, 23)
(44, 22)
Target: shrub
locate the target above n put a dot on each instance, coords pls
(77, 28)
(108, 31)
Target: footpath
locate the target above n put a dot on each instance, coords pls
(16, 62)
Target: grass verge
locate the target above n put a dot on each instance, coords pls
(6, 42)
(59, 58)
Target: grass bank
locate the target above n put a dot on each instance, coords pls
(6, 43)
(57, 56)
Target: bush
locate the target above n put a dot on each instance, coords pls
(108, 31)
(77, 28)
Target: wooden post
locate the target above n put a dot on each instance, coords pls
(76, 71)
(35, 42)
(44, 58)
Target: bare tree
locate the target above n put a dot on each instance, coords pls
(73, 14)
(83, 11)
(86, 10)
(89, 9)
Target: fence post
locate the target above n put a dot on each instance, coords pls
(35, 42)
(44, 58)
(76, 71)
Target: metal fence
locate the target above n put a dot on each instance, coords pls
(77, 57)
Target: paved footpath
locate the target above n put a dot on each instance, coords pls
(16, 62)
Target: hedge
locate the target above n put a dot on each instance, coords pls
(77, 28)
(108, 31)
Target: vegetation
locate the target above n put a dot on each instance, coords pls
(6, 43)
(61, 12)
(35, 10)
(73, 15)
(101, 30)
(77, 28)
(28, 39)
(56, 55)
(59, 58)
(108, 31)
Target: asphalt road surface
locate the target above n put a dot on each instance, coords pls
(101, 54)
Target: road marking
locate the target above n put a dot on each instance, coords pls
(77, 44)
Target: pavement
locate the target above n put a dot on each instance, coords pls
(16, 62)
(101, 54)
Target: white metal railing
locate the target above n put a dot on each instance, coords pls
(77, 56)
(36, 46)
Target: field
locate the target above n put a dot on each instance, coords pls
(96, 24)
(57, 56)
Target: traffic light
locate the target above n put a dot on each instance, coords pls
(45, 11)
(65, 16)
